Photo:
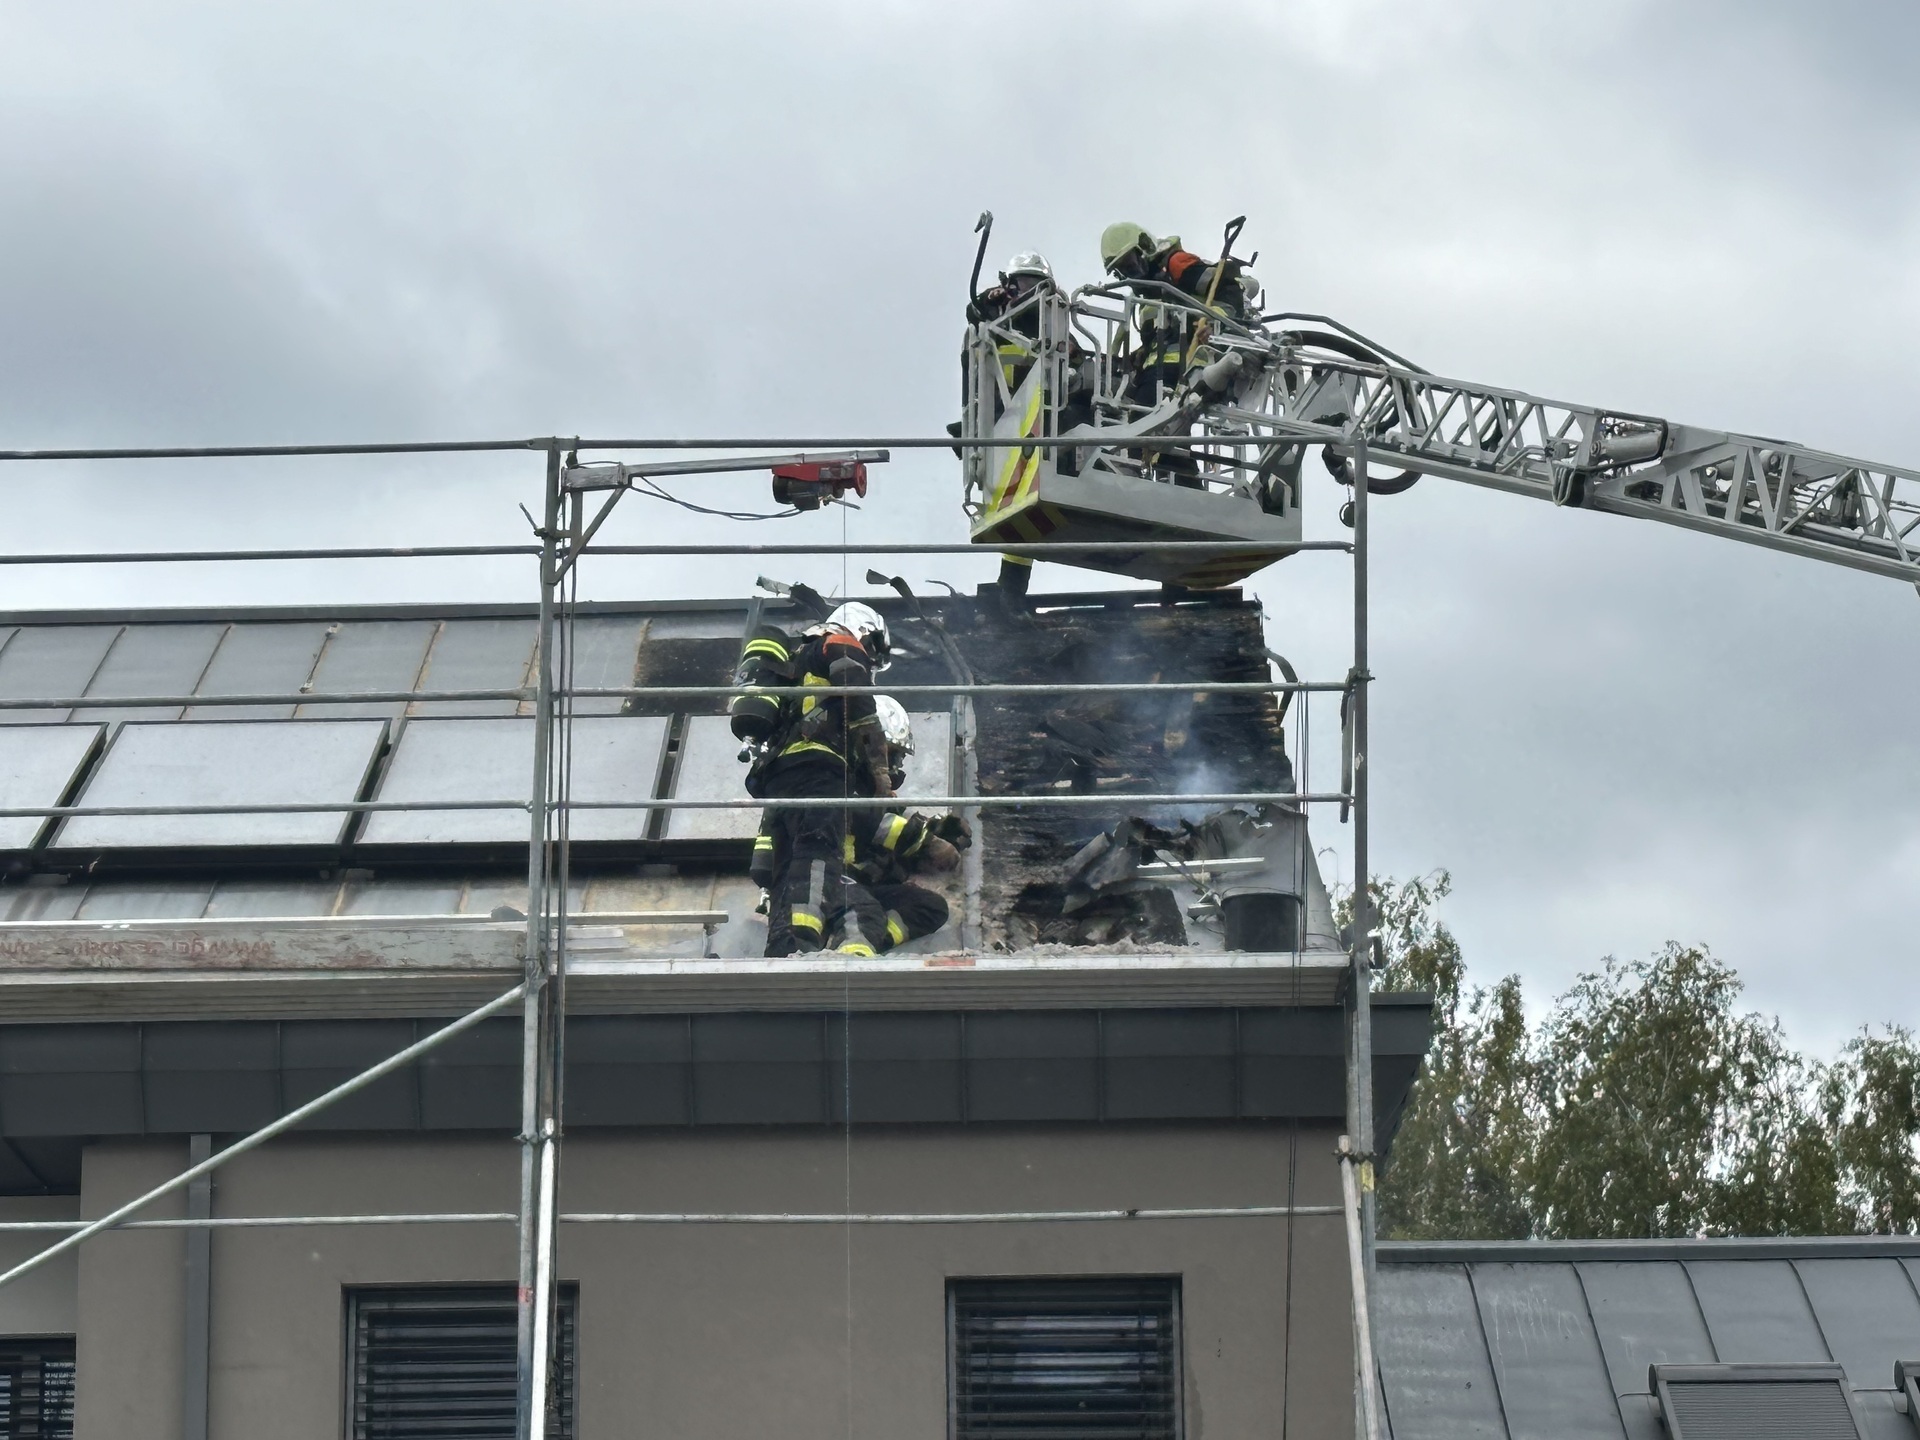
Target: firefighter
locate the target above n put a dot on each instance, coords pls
(1170, 339)
(888, 848)
(902, 843)
(814, 747)
(1167, 339)
(1026, 275)
(1128, 252)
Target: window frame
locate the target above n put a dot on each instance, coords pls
(1177, 1356)
(352, 1297)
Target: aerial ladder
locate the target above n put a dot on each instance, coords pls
(1095, 449)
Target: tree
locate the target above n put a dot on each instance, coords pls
(1464, 1138)
(1870, 1102)
(1644, 1103)
(1663, 1111)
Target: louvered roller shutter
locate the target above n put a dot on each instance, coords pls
(1756, 1402)
(36, 1389)
(1086, 1359)
(438, 1364)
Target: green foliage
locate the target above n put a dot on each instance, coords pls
(1643, 1103)
(1870, 1101)
(1466, 1132)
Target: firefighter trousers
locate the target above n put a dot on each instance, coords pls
(812, 903)
(906, 912)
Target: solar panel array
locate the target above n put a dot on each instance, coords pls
(336, 750)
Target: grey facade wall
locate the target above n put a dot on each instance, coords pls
(47, 1302)
(725, 1331)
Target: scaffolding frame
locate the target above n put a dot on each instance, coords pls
(563, 537)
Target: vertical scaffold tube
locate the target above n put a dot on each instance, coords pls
(1356, 1159)
(538, 1163)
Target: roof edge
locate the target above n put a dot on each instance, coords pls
(1731, 1247)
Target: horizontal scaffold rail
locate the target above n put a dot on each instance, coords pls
(694, 1217)
(549, 443)
(1105, 798)
(674, 692)
(1060, 549)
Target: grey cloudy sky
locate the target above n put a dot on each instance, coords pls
(231, 223)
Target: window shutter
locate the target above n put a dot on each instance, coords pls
(1756, 1402)
(1087, 1359)
(439, 1364)
(36, 1389)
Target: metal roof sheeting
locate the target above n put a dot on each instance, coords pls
(1521, 1341)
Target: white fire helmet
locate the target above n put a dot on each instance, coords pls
(894, 723)
(1030, 263)
(863, 622)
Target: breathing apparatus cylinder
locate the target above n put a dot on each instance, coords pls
(764, 660)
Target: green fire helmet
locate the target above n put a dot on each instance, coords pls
(1118, 241)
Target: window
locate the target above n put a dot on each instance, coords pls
(439, 1363)
(1758, 1402)
(1084, 1358)
(36, 1389)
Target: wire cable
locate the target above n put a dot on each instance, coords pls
(643, 485)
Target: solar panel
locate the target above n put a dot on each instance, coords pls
(226, 762)
(477, 655)
(606, 655)
(488, 758)
(370, 655)
(268, 658)
(710, 769)
(150, 660)
(48, 662)
(38, 764)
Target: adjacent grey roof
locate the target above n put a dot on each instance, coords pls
(1553, 1341)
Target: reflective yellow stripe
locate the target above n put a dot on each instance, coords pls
(767, 647)
(864, 952)
(807, 702)
(1018, 560)
(806, 747)
(807, 920)
(896, 932)
(893, 827)
(1014, 460)
(763, 842)
(846, 848)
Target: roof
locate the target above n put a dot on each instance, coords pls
(1527, 1339)
(218, 881)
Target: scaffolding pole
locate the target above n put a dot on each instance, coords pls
(539, 1089)
(1356, 1154)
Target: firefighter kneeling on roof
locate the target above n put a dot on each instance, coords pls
(881, 850)
(824, 747)
(901, 843)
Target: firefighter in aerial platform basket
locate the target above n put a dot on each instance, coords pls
(1027, 275)
(1171, 339)
(814, 747)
